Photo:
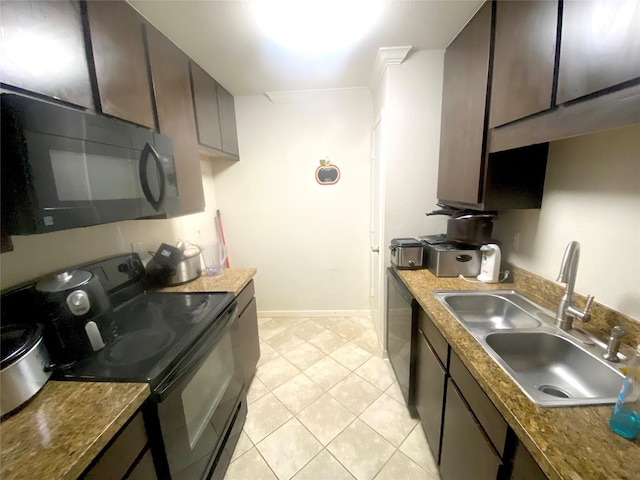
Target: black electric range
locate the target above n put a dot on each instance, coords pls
(186, 346)
(153, 330)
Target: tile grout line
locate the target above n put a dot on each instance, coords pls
(350, 370)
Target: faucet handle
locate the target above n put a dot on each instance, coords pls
(618, 331)
(613, 344)
(582, 315)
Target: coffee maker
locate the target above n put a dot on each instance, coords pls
(76, 309)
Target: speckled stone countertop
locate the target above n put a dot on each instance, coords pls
(569, 443)
(64, 427)
(231, 280)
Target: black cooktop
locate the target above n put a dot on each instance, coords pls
(153, 329)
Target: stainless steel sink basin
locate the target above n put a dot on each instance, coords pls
(551, 366)
(546, 364)
(491, 311)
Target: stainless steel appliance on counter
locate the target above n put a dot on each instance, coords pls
(173, 266)
(407, 253)
(186, 346)
(450, 259)
(23, 369)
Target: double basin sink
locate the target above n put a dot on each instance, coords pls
(552, 367)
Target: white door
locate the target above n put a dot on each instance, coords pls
(376, 237)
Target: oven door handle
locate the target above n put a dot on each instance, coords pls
(192, 362)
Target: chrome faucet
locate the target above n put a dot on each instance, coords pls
(568, 272)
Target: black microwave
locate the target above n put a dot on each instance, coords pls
(63, 168)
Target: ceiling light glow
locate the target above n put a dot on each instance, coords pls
(317, 27)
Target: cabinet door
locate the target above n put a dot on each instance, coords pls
(524, 466)
(174, 106)
(205, 102)
(466, 72)
(466, 452)
(600, 46)
(42, 50)
(120, 60)
(228, 121)
(429, 400)
(120, 455)
(523, 60)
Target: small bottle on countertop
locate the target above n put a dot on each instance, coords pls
(625, 419)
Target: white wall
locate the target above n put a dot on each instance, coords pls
(36, 255)
(413, 109)
(410, 97)
(592, 195)
(309, 242)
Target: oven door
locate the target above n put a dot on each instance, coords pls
(402, 326)
(198, 400)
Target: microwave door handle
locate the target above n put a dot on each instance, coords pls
(144, 181)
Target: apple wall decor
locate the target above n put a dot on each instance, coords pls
(327, 173)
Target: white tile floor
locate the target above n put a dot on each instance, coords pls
(325, 405)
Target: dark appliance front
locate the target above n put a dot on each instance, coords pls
(64, 168)
(402, 326)
(186, 346)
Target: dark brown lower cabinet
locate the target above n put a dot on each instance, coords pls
(127, 455)
(524, 466)
(431, 379)
(466, 433)
(248, 323)
(466, 451)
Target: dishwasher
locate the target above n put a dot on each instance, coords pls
(402, 326)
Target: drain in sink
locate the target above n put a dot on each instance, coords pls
(554, 391)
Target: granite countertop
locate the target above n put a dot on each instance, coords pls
(569, 443)
(64, 427)
(231, 280)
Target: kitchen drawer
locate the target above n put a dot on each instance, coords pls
(431, 380)
(435, 338)
(466, 452)
(144, 469)
(120, 455)
(494, 425)
(245, 297)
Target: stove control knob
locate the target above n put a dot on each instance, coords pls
(78, 302)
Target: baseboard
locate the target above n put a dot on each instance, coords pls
(313, 313)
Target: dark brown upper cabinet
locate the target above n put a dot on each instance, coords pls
(43, 50)
(524, 54)
(468, 176)
(462, 137)
(122, 76)
(215, 115)
(176, 118)
(597, 72)
(600, 46)
(205, 103)
(228, 126)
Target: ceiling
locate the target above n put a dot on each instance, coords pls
(225, 39)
